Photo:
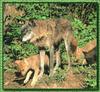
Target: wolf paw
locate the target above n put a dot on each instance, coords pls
(33, 84)
(39, 77)
(25, 81)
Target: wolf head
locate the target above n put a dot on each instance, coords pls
(22, 66)
(26, 30)
(33, 32)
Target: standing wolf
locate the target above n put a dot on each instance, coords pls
(49, 33)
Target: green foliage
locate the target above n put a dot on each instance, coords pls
(84, 33)
(89, 73)
(63, 53)
(13, 46)
(60, 75)
(8, 66)
(35, 10)
(91, 78)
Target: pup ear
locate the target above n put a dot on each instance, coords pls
(17, 62)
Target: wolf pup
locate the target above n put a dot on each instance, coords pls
(90, 52)
(26, 66)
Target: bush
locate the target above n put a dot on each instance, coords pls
(60, 75)
(84, 33)
(89, 73)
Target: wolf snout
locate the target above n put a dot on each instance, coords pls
(24, 39)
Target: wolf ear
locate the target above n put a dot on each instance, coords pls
(32, 22)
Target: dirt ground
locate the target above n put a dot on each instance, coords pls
(72, 81)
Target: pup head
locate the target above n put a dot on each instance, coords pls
(22, 66)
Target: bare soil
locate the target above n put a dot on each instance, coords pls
(72, 81)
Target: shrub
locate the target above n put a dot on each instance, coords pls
(60, 75)
(84, 33)
(89, 73)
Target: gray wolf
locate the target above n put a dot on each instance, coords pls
(48, 34)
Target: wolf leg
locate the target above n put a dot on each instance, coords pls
(35, 78)
(28, 77)
(67, 44)
(42, 58)
(51, 60)
(57, 60)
